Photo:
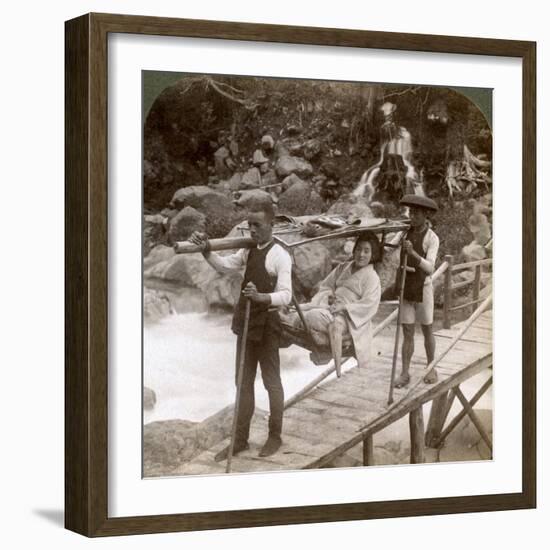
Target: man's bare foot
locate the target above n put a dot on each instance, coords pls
(402, 381)
(431, 377)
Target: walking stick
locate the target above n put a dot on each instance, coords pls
(239, 384)
(403, 269)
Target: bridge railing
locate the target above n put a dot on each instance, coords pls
(474, 282)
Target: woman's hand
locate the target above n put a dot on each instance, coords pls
(251, 293)
(337, 307)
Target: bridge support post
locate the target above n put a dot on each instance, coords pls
(368, 451)
(416, 425)
(440, 409)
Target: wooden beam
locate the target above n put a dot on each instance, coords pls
(474, 418)
(368, 451)
(438, 415)
(416, 425)
(454, 422)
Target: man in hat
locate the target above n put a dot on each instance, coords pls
(420, 245)
(267, 284)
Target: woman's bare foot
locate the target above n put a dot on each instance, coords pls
(402, 381)
(431, 377)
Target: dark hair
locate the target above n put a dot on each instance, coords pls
(265, 206)
(374, 243)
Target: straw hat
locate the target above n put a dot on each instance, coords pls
(419, 201)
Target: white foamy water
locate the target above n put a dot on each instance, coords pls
(189, 362)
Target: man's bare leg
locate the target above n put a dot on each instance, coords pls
(429, 346)
(407, 350)
(335, 331)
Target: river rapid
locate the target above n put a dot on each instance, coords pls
(189, 362)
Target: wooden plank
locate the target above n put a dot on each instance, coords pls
(355, 397)
(476, 334)
(403, 407)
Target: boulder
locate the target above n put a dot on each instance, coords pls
(270, 178)
(287, 165)
(156, 305)
(351, 207)
(200, 197)
(251, 179)
(169, 213)
(160, 253)
(387, 271)
(220, 159)
(154, 231)
(182, 269)
(312, 263)
(247, 197)
(185, 222)
(280, 150)
(218, 209)
(473, 251)
(149, 398)
(299, 198)
(169, 443)
(233, 183)
(311, 148)
(222, 291)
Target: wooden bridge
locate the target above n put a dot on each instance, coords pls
(326, 420)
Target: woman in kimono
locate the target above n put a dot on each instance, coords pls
(347, 300)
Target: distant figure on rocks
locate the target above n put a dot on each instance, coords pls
(421, 245)
(268, 285)
(262, 157)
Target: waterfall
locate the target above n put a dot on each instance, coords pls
(401, 145)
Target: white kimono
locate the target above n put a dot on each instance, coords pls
(360, 293)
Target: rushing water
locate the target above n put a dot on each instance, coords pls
(189, 362)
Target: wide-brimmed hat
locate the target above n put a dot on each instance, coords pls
(419, 201)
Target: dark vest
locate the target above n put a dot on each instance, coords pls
(414, 283)
(260, 316)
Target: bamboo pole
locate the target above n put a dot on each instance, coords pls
(315, 382)
(227, 243)
(402, 278)
(239, 385)
(304, 322)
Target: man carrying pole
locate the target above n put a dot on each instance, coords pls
(267, 284)
(420, 247)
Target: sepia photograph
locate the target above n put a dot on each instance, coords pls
(317, 274)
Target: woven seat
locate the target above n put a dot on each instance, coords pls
(320, 355)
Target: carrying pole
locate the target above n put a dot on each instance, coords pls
(402, 278)
(240, 371)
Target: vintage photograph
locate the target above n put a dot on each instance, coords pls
(317, 274)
